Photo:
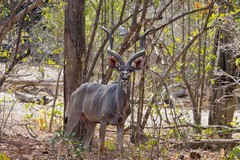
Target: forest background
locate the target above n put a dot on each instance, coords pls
(185, 102)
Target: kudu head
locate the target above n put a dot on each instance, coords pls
(135, 62)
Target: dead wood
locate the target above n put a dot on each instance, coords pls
(220, 127)
(35, 90)
(38, 82)
(26, 97)
(44, 83)
(213, 144)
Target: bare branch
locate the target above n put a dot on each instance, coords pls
(95, 25)
(14, 18)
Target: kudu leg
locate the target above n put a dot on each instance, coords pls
(90, 127)
(102, 133)
(120, 128)
(60, 147)
(73, 119)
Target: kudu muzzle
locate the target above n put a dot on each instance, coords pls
(125, 77)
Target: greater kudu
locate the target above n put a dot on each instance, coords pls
(105, 104)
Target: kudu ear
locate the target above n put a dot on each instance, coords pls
(138, 63)
(113, 62)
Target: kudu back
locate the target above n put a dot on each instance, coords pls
(105, 104)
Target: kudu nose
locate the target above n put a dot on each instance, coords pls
(125, 78)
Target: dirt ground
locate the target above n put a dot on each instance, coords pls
(25, 148)
(25, 141)
(19, 147)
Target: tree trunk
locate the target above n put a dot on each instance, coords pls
(223, 100)
(74, 48)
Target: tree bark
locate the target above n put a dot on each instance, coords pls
(223, 100)
(74, 48)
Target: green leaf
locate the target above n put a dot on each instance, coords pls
(208, 67)
(24, 60)
(212, 81)
(110, 145)
(51, 62)
(237, 62)
(3, 156)
(5, 54)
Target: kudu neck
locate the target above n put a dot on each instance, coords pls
(123, 94)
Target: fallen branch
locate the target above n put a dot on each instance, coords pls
(47, 82)
(26, 97)
(214, 126)
(20, 81)
(213, 144)
(203, 127)
(17, 75)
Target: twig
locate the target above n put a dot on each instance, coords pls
(33, 134)
(54, 100)
(17, 75)
(18, 124)
(6, 119)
